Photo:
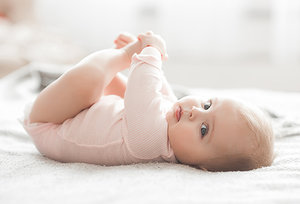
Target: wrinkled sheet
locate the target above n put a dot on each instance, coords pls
(28, 177)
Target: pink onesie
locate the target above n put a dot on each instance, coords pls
(116, 131)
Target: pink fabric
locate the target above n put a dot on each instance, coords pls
(116, 131)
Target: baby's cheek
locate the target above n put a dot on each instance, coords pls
(184, 135)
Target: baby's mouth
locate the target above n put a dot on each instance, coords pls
(178, 113)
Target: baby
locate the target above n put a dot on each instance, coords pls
(95, 115)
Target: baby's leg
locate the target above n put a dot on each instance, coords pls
(82, 86)
(118, 85)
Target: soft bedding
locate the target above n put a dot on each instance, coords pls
(28, 177)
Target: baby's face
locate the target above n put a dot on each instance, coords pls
(202, 129)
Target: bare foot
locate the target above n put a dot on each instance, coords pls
(129, 43)
(123, 39)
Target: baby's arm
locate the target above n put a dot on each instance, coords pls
(143, 104)
(146, 81)
(159, 44)
(145, 77)
(147, 39)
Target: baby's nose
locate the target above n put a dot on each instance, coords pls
(194, 112)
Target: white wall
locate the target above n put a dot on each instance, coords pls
(211, 43)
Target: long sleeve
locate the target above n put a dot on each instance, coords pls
(145, 107)
(144, 80)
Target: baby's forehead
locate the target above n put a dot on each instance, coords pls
(227, 104)
(232, 126)
(228, 117)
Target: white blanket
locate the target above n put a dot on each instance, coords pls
(28, 177)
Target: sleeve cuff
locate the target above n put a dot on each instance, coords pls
(149, 55)
(151, 51)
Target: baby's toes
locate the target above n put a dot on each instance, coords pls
(123, 39)
(127, 37)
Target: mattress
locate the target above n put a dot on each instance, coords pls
(28, 177)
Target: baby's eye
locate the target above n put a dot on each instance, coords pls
(204, 130)
(207, 105)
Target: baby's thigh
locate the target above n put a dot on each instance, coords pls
(67, 96)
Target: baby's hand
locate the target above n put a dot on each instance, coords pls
(151, 39)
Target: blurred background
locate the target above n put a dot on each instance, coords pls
(211, 43)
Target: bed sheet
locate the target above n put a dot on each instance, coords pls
(28, 177)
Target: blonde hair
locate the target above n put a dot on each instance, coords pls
(261, 152)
